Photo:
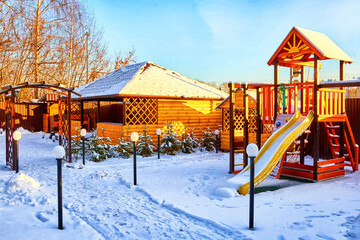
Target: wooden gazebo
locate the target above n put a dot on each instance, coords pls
(148, 94)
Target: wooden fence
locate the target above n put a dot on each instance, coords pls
(352, 107)
(27, 115)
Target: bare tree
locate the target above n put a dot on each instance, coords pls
(56, 41)
(121, 60)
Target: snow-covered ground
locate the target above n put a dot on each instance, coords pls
(175, 199)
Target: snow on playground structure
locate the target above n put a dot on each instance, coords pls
(323, 103)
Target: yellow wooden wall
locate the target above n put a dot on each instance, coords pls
(197, 114)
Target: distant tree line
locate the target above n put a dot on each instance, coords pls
(56, 41)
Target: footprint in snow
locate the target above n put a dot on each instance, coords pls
(339, 213)
(301, 225)
(324, 236)
(42, 216)
(318, 216)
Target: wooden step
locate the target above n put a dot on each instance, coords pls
(298, 142)
(345, 154)
(333, 136)
(293, 153)
(332, 127)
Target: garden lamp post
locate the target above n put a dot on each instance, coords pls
(217, 140)
(134, 138)
(16, 137)
(83, 134)
(158, 133)
(252, 151)
(59, 154)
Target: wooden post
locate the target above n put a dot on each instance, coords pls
(246, 124)
(82, 113)
(7, 105)
(13, 143)
(342, 70)
(98, 113)
(258, 118)
(69, 125)
(124, 111)
(302, 91)
(276, 83)
(316, 123)
(231, 128)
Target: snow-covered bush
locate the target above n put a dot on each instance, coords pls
(188, 141)
(145, 145)
(169, 143)
(207, 140)
(99, 147)
(124, 148)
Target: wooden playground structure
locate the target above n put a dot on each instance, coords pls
(301, 48)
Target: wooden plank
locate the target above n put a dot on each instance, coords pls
(298, 166)
(329, 175)
(297, 174)
(331, 161)
(331, 168)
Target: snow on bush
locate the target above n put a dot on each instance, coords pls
(169, 143)
(145, 145)
(188, 141)
(124, 148)
(207, 141)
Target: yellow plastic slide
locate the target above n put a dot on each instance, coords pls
(271, 152)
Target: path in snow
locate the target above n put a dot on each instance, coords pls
(101, 198)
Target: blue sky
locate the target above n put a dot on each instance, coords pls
(222, 41)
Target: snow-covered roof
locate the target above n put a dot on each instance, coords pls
(148, 79)
(300, 44)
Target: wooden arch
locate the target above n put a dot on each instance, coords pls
(64, 116)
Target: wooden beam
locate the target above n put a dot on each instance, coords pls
(276, 83)
(316, 142)
(349, 83)
(342, 70)
(258, 118)
(82, 113)
(69, 125)
(231, 128)
(246, 124)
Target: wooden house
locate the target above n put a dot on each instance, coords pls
(148, 94)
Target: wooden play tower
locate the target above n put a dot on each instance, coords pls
(304, 48)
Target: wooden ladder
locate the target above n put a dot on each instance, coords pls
(333, 140)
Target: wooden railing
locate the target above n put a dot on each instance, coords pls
(331, 102)
(295, 97)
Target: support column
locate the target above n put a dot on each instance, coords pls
(82, 113)
(98, 113)
(13, 144)
(69, 125)
(316, 123)
(231, 127)
(258, 118)
(246, 124)
(342, 70)
(302, 90)
(276, 83)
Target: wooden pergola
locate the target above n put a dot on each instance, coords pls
(64, 116)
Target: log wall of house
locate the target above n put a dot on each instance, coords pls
(197, 114)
